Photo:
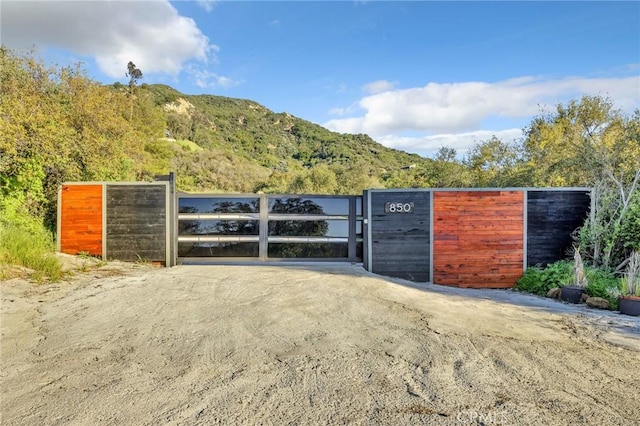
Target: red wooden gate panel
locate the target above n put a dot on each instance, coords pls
(81, 219)
(478, 238)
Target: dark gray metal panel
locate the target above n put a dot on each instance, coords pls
(352, 229)
(552, 216)
(264, 227)
(173, 220)
(137, 222)
(365, 230)
(401, 242)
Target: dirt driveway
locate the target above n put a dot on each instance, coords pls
(306, 345)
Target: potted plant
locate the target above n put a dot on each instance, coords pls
(629, 301)
(573, 293)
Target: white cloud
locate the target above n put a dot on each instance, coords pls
(454, 114)
(338, 111)
(346, 125)
(344, 111)
(461, 142)
(150, 33)
(203, 79)
(379, 86)
(462, 107)
(207, 4)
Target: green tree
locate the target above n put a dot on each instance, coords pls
(577, 143)
(493, 163)
(179, 125)
(590, 143)
(354, 178)
(318, 180)
(134, 74)
(447, 171)
(57, 125)
(613, 230)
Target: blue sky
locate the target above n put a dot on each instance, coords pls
(413, 75)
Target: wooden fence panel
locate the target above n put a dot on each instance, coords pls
(137, 222)
(478, 238)
(80, 223)
(400, 240)
(552, 216)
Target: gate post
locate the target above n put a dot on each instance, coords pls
(264, 227)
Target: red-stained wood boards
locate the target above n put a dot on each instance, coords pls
(81, 219)
(478, 238)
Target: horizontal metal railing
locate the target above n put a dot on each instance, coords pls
(308, 239)
(218, 238)
(219, 216)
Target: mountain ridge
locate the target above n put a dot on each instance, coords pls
(282, 145)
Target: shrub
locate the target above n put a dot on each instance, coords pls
(558, 274)
(631, 279)
(601, 283)
(540, 281)
(531, 281)
(604, 284)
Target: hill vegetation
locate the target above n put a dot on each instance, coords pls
(271, 152)
(58, 125)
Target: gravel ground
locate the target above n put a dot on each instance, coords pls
(306, 344)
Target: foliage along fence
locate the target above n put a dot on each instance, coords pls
(483, 238)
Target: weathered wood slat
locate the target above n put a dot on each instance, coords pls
(495, 258)
(480, 217)
(136, 222)
(400, 242)
(551, 218)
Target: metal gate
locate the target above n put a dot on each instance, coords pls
(261, 227)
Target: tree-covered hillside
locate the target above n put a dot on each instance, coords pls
(292, 155)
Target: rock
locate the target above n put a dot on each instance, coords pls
(554, 293)
(584, 298)
(598, 302)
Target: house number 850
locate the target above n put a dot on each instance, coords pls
(398, 208)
